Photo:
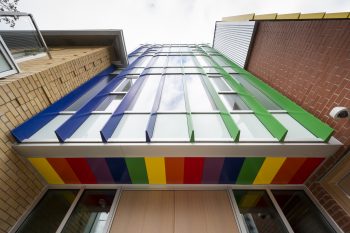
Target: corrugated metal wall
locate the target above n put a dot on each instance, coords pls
(233, 40)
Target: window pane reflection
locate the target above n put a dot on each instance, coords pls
(48, 214)
(301, 213)
(90, 214)
(171, 126)
(198, 97)
(258, 212)
(173, 94)
(233, 102)
(210, 127)
(132, 127)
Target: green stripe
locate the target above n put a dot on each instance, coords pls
(137, 170)
(249, 170)
(225, 115)
(306, 119)
(272, 124)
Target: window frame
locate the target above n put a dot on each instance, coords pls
(9, 59)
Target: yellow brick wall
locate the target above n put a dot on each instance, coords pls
(41, 82)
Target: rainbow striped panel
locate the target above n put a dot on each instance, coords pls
(179, 170)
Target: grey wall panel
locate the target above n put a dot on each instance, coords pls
(233, 40)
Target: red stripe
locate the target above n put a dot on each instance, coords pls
(82, 169)
(64, 170)
(288, 170)
(305, 170)
(174, 168)
(193, 170)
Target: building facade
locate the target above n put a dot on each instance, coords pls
(179, 117)
(305, 57)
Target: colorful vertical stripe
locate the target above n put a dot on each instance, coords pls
(155, 170)
(212, 170)
(193, 170)
(176, 170)
(137, 170)
(64, 170)
(45, 169)
(249, 170)
(268, 170)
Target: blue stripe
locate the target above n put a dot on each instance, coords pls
(119, 170)
(114, 120)
(230, 170)
(152, 119)
(31, 126)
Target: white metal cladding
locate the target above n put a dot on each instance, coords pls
(233, 40)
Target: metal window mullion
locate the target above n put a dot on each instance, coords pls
(70, 210)
(188, 110)
(237, 213)
(266, 118)
(279, 210)
(224, 113)
(113, 211)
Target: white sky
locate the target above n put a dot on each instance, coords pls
(161, 21)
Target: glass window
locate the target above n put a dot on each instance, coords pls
(233, 102)
(229, 70)
(172, 98)
(188, 70)
(209, 127)
(251, 128)
(124, 86)
(4, 65)
(143, 61)
(136, 71)
(220, 84)
(89, 95)
(188, 61)
(261, 97)
(174, 61)
(174, 70)
(110, 104)
(159, 61)
(154, 70)
(296, 132)
(49, 212)
(144, 101)
(203, 60)
(221, 61)
(198, 97)
(47, 132)
(90, 129)
(132, 127)
(171, 127)
(132, 59)
(258, 212)
(90, 214)
(210, 70)
(301, 213)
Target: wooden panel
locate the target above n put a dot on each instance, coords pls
(174, 211)
(144, 212)
(203, 211)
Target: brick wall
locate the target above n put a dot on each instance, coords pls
(42, 82)
(309, 61)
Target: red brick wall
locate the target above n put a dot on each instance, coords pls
(309, 61)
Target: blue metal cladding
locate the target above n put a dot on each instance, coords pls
(66, 130)
(230, 170)
(31, 126)
(153, 118)
(119, 170)
(114, 120)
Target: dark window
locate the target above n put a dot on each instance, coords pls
(48, 214)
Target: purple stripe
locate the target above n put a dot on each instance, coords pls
(212, 170)
(101, 170)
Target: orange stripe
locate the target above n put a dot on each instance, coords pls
(174, 168)
(288, 170)
(64, 170)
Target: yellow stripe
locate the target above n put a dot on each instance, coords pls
(337, 15)
(288, 16)
(312, 16)
(250, 199)
(265, 17)
(268, 170)
(45, 169)
(155, 170)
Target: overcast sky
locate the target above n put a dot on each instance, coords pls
(161, 21)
